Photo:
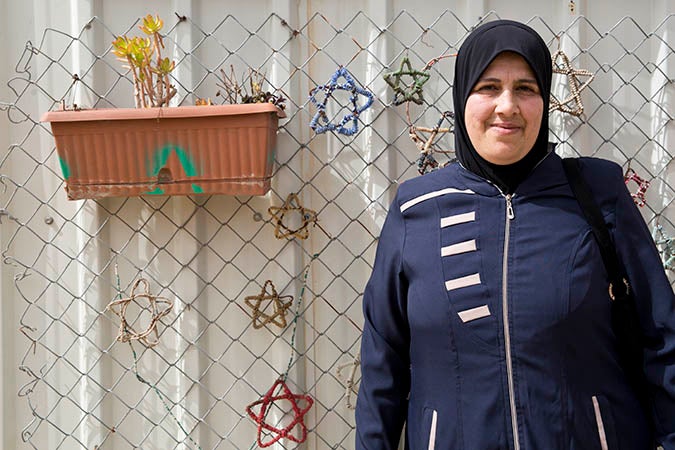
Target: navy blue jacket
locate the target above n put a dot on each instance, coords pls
(487, 319)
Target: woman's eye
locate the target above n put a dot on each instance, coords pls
(487, 88)
(527, 89)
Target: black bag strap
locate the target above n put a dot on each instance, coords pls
(618, 283)
(625, 321)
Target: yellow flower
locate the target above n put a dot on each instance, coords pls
(151, 25)
(165, 67)
(121, 47)
(140, 51)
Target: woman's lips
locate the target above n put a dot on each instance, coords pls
(505, 128)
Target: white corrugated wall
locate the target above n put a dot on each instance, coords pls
(24, 21)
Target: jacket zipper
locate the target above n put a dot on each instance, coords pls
(510, 215)
(505, 317)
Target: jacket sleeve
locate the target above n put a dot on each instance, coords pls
(655, 302)
(382, 403)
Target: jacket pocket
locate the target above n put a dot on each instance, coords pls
(604, 423)
(431, 423)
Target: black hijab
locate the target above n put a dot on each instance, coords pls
(476, 53)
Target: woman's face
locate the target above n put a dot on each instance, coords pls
(504, 110)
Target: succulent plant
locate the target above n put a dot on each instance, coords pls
(143, 57)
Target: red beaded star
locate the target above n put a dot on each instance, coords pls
(639, 196)
(298, 419)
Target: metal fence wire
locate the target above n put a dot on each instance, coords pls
(83, 388)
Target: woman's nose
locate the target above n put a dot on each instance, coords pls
(506, 103)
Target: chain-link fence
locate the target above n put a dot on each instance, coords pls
(82, 388)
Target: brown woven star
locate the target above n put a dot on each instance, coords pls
(349, 379)
(428, 145)
(280, 307)
(158, 307)
(291, 204)
(572, 103)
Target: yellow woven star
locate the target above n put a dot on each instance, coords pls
(158, 306)
(349, 380)
(282, 230)
(278, 316)
(572, 103)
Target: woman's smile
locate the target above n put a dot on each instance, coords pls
(506, 128)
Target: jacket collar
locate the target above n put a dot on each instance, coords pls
(547, 174)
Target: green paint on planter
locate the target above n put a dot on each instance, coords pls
(187, 163)
(159, 160)
(64, 168)
(270, 157)
(158, 191)
(161, 157)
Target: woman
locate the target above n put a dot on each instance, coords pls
(487, 315)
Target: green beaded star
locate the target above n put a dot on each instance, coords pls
(407, 93)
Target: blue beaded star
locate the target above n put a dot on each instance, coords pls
(320, 123)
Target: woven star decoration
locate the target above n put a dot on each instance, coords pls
(639, 196)
(282, 230)
(426, 163)
(666, 246)
(428, 145)
(349, 379)
(320, 123)
(157, 306)
(286, 432)
(572, 104)
(409, 92)
(269, 294)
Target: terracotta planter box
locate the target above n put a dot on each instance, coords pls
(184, 150)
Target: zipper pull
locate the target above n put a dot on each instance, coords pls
(509, 207)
